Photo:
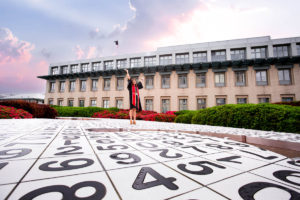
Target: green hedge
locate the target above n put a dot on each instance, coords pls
(252, 116)
(65, 111)
(185, 116)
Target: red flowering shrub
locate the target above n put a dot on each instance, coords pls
(37, 110)
(143, 115)
(170, 112)
(13, 113)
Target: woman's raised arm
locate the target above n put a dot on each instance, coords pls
(127, 75)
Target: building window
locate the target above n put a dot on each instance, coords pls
(64, 69)
(81, 103)
(84, 67)
(218, 56)
(135, 62)
(165, 60)
(261, 77)
(121, 63)
(150, 61)
(200, 80)
(120, 83)
(108, 65)
(263, 100)
(71, 103)
(281, 51)
(82, 85)
(50, 101)
(183, 104)
(287, 99)
(182, 81)
(259, 52)
(96, 66)
(165, 81)
(106, 84)
(284, 76)
(238, 54)
(298, 49)
(149, 104)
(74, 68)
(240, 78)
(72, 86)
(242, 100)
(52, 86)
(60, 102)
(105, 103)
(165, 105)
(219, 79)
(94, 84)
(149, 82)
(54, 70)
(182, 58)
(119, 103)
(62, 86)
(93, 103)
(220, 101)
(199, 57)
(201, 103)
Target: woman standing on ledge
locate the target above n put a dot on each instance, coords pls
(134, 96)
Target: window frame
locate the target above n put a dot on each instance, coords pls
(162, 104)
(151, 105)
(237, 83)
(82, 89)
(185, 106)
(199, 59)
(149, 77)
(262, 82)
(182, 58)
(220, 84)
(105, 87)
(284, 81)
(162, 81)
(184, 76)
(204, 105)
(165, 59)
(218, 58)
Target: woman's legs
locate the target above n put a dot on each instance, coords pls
(134, 115)
(130, 115)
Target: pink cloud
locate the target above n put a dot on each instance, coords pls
(86, 53)
(19, 70)
(79, 52)
(12, 49)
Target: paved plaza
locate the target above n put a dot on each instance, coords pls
(107, 159)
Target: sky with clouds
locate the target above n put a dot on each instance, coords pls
(34, 33)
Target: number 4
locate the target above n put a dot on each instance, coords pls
(160, 180)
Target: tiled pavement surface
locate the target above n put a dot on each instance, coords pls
(55, 159)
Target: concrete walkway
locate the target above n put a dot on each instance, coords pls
(55, 159)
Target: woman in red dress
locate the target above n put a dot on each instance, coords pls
(134, 96)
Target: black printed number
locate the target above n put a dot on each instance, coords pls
(160, 180)
(112, 147)
(204, 171)
(126, 156)
(69, 192)
(3, 165)
(14, 153)
(164, 152)
(69, 152)
(218, 146)
(248, 191)
(66, 165)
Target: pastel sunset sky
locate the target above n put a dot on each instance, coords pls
(35, 33)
